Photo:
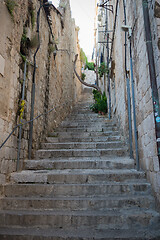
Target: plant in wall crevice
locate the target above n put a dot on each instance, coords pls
(83, 76)
(11, 4)
(31, 11)
(33, 18)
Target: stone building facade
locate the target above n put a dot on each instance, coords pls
(120, 69)
(55, 83)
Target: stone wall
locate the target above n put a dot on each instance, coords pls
(56, 85)
(143, 95)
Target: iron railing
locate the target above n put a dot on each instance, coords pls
(25, 123)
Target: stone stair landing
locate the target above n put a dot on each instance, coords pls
(82, 185)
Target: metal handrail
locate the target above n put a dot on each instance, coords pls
(32, 120)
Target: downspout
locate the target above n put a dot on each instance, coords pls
(111, 53)
(108, 75)
(33, 88)
(133, 103)
(152, 71)
(128, 87)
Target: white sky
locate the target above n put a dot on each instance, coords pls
(83, 11)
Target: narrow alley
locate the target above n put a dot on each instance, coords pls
(79, 120)
(81, 185)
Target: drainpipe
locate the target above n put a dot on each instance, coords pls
(111, 51)
(133, 101)
(152, 71)
(108, 76)
(128, 88)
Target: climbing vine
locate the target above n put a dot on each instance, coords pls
(21, 111)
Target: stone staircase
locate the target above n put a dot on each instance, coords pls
(81, 186)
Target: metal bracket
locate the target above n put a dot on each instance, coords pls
(107, 6)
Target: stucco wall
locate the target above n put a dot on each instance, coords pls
(56, 85)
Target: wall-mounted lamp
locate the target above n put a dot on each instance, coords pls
(128, 29)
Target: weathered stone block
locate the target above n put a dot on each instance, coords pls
(158, 43)
(154, 164)
(2, 180)
(157, 9)
(2, 65)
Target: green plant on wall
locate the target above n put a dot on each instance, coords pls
(83, 76)
(31, 11)
(24, 36)
(33, 18)
(51, 48)
(102, 69)
(11, 4)
(23, 57)
(90, 66)
(25, 43)
(83, 57)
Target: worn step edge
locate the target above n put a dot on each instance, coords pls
(77, 202)
(67, 219)
(77, 163)
(75, 175)
(123, 151)
(102, 189)
(82, 145)
(78, 234)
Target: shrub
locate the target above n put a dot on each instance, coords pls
(100, 104)
(90, 66)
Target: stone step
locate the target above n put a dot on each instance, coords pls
(30, 233)
(66, 219)
(75, 189)
(131, 187)
(83, 134)
(77, 203)
(85, 114)
(53, 153)
(86, 129)
(75, 176)
(83, 117)
(99, 121)
(82, 145)
(81, 139)
(84, 163)
(86, 124)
